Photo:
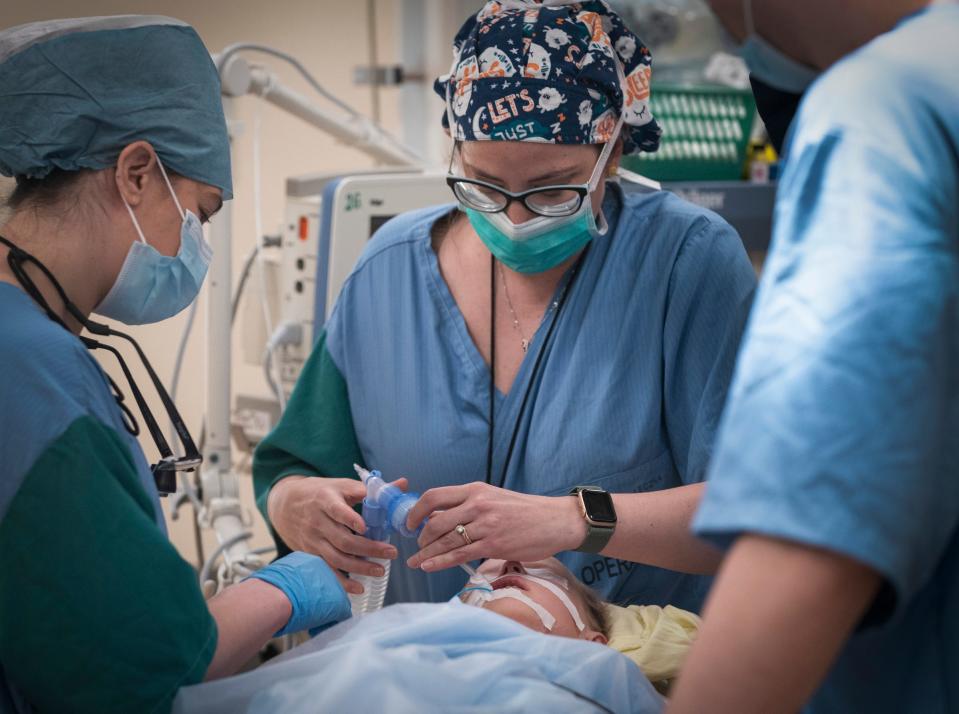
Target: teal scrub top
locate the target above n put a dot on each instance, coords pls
(628, 395)
(842, 428)
(98, 612)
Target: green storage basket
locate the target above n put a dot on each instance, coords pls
(706, 134)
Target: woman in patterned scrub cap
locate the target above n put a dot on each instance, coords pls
(545, 331)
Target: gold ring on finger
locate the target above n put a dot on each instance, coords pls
(462, 531)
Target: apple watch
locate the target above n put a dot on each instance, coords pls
(597, 507)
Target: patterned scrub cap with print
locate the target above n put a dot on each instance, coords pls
(549, 71)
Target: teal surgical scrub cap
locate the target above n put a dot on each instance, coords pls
(74, 93)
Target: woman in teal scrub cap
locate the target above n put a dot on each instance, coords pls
(547, 331)
(114, 131)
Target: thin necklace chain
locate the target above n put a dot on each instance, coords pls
(524, 340)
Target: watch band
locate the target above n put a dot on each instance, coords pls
(596, 536)
(596, 539)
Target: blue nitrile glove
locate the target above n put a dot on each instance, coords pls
(317, 597)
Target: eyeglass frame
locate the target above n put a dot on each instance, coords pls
(582, 189)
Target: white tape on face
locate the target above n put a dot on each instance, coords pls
(479, 591)
(516, 594)
(560, 595)
(547, 574)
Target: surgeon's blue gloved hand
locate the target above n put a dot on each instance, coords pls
(316, 595)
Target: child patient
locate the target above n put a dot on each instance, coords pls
(543, 595)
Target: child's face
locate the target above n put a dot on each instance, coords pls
(502, 574)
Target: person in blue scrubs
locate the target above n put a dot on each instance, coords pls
(113, 128)
(835, 481)
(500, 358)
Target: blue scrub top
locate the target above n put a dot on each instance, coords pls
(842, 429)
(98, 611)
(45, 368)
(628, 396)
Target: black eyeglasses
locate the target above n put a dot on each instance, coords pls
(166, 469)
(550, 201)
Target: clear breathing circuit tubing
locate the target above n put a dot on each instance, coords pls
(374, 589)
(384, 511)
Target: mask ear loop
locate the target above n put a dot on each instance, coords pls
(617, 130)
(605, 154)
(136, 223)
(169, 185)
(598, 170)
(179, 208)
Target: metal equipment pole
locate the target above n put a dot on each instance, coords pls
(221, 497)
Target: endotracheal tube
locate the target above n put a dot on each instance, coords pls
(385, 509)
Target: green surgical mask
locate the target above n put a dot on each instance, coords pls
(551, 241)
(545, 241)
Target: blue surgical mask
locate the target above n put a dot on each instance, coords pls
(768, 64)
(543, 242)
(151, 286)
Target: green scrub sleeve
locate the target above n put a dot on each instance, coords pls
(315, 436)
(98, 612)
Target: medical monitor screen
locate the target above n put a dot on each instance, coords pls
(376, 222)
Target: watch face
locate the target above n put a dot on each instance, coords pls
(599, 506)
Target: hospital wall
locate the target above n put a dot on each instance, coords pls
(330, 38)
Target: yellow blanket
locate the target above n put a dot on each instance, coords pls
(655, 638)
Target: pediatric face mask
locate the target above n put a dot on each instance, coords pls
(152, 287)
(768, 64)
(543, 242)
